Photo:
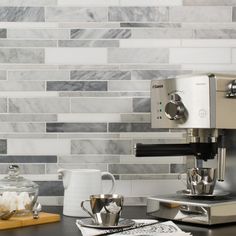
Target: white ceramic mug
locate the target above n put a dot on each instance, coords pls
(79, 184)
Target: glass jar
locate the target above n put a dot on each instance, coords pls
(17, 193)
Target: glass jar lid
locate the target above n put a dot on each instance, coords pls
(15, 182)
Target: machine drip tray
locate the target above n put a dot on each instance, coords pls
(206, 211)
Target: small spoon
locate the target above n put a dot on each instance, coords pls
(7, 215)
(37, 208)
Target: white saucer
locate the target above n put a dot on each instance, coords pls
(89, 222)
(215, 194)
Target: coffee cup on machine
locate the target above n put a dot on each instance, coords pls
(201, 181)
(105, 208)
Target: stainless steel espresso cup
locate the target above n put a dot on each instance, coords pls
(106, 208)
(202, 180)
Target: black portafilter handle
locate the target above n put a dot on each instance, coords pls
(148, 150)
(202, 151)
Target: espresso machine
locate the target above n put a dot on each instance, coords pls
(204, 106)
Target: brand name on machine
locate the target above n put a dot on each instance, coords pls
(157, 86)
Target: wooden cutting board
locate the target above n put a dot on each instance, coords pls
(22, 221)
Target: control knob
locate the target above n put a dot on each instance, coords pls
(174, 109)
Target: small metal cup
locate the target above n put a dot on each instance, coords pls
(201, 180)
(106, 208)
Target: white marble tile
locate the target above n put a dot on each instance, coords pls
(138, 55)
(76, 14)
(38, 33)
(22, 55)
(117, 85)
(39, 105)
(150, 2)
(73, 56)
(28, 94)
(216, 67)
(38, 146)
(29, 25)
(22, 86)
(149, 43)
(38, 75)
(18, 3)
(86, 117)
(208, 43)
(209, 2)
(200, 55)
(200, 14)
(101, 105)
(94, 3)
(22, 127)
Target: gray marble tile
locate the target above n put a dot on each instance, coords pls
(89, 159)
(3, 105)
(138, 168)
(27, 159)
(148, 176)
(101, 105)
(100, 33)
(136, 117)
(215, 34)
(92, 146)
(3, 33)
(131, 127)
(100, 75)
(28, 43)
(141, 105)
(28, 3)
(28, 117)
(162, 33)
(209, 3)
(21, 55)
(178, 168)
(150, 67)
(50, 188)
(22, 127)
(38, 33)
(22, 86)
(140, 55)
(200, 14)
(154, 25)
(77, 14)
(157, 74)
(61, 127)
(39, 75)
(3, 146)
(39, 105)
(89, 43)
(22, 14)
(138, 14)
(25, 168)
(77, 86)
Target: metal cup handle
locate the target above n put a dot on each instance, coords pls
(112, 179)
(87, 211)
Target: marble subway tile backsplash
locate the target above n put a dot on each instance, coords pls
(75, 84)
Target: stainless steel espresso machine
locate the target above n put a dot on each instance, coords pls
(205, 106)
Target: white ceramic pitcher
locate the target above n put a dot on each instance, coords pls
(79, 184)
